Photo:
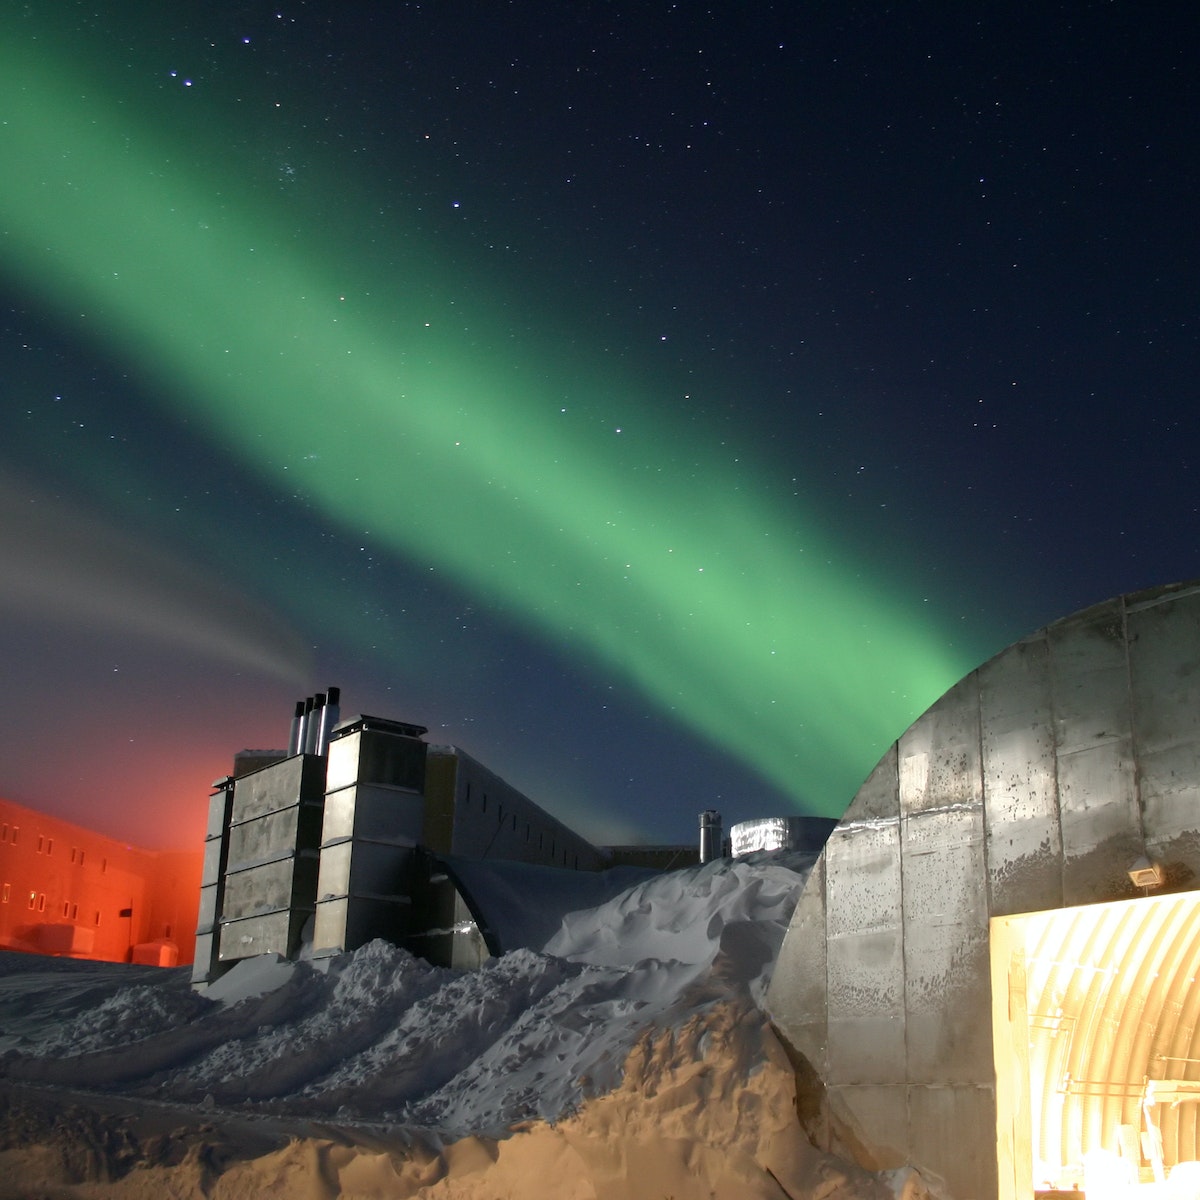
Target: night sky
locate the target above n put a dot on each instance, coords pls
(665, 403)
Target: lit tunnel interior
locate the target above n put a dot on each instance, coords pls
(1098, 1065)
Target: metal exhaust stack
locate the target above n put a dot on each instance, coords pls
(329, 718)
(313, 725)
(305, 721)
(710, 835)
(297, 733)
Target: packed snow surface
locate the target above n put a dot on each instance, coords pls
(381, 1036)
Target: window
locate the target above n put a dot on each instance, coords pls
(73, 853)
(32, 899)
(16, 830)
(42, 902)
(74, 911)
(66, 908)
(41, 843)
(467, 801)
(103, 865)
(4, 832)
(483, 806)
(50, 846)
(514, 829)
(527, 831)
(81, 858)
(97, 916)
(7, 892)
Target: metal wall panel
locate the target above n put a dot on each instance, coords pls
(945, 939)
(1020, 780)
(375, 812)
(278, 786)
(883, 1111)
(1098, 806)
(219, 808)
(866, 1007)
(1164, 662)
(345, 923)
(266, 838)
(261, 889)
(206, 915)
(273, 933)
(797, 997)
(862, 877)
(952, 1132)
(939, 754)
(214, 860)
(878, 797)
(864, 955)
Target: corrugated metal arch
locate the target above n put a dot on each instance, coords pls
(1112, 1012)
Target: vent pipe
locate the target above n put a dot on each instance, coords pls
(710, 835)
(297, 729)
(305, 721)
(313, 725)
(329, 718)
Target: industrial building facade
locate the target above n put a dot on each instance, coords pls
(991, 973)
(69, 891)
(354, 837)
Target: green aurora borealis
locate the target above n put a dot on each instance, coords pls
(397, 398)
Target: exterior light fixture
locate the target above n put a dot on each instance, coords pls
(1145, 873)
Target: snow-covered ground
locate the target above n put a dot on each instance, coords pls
(640, 1014)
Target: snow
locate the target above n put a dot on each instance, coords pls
(537, 1041)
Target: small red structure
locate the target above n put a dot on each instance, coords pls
(69, 891)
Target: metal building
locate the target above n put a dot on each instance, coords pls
(990, 975)
(351, 834)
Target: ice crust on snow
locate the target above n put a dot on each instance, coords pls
(382, 1036)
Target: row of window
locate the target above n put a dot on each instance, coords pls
(45, 845)
(37, 903)
(528, 828)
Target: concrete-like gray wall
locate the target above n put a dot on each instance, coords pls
(1033, 784)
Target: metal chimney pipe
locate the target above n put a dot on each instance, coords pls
(329, 718)
(313, 726)
(710, 835)
(305, 720)
(297, 727)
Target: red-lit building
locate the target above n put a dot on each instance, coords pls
(69, 891)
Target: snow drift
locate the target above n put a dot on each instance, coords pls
(625, 1057)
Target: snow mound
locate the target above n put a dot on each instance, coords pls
(381, 1036)
(125, 1018)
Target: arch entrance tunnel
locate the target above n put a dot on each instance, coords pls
(1094, 1018)
(990, 975)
